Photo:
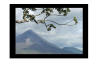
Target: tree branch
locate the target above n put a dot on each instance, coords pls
(45, 22)
(59, 23)
(21, 21)
(56, 15)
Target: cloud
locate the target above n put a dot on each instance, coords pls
(62, 36)
(28, 42)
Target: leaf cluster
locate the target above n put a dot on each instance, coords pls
(50, 26)
(48, 12)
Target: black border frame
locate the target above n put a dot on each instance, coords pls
(12, 31)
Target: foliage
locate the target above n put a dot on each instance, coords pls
(47, 12)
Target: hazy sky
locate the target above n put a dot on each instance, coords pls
(62, 36)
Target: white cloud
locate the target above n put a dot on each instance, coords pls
(28, 42)
(62, 36)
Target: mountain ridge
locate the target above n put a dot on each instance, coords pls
(39, 44)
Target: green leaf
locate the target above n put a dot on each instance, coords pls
(33, 9)
(25, 12)
(65, 12)
(32, 17)
(51, 10)
(51, 25)
(75, 19)
(43, 11)
(68, 10)
(41, 21)
(47, 14)
(60, 10)
(47, 9)
(49, 29)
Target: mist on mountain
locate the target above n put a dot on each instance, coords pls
(31, 43)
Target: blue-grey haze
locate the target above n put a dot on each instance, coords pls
(62, 36)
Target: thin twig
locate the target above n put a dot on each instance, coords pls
(21, 21)
(59, 23)
(45, 22)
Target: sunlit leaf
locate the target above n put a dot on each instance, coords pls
(75, 20)
(51, 25)
(68, 10)
(49, 28)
